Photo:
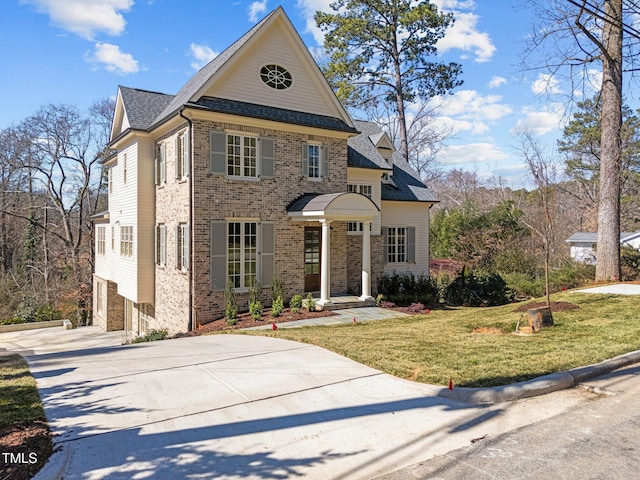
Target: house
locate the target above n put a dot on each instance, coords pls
(582, 245)
(252, 171)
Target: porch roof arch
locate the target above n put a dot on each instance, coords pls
(345, 206)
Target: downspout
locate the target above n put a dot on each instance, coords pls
(191, 325)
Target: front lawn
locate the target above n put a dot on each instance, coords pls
(476, 347)
(25, 440)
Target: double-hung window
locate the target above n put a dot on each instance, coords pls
(241, 156)
(99, 296)
(161, 245)
(161, 163)
(182, 156)
(182, 247)
(240, 252)
(126, 241)
(400, 244)
(315, 160)
(242, 249)
(100, 240)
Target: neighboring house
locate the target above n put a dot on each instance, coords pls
(582, 245)
(253, 170)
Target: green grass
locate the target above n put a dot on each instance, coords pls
(441, 346)
(19, 399)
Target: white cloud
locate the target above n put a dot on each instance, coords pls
(546, 84)
(540, 122)
(471, 105)
(256, 9)
(482, 152)
(113, 59)
(309, 8)
(464, 35)
(202, 54)
(497, 82)
(85, 18)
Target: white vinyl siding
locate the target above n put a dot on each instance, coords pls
(134, 207)
(243, 82)
(413, 217)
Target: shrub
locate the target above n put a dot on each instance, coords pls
(296, 303)
(255, 310)
(385, 304)
(630, 263)
(255, 290)
(277, 307)
(406, 288)
(476, 289)
(416, 307)
(230, 305)
(524, 286)
(277, 289)
(309, 303)
(379, 298)
(151, 336)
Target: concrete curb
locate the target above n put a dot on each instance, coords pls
(540, 385)
(17, 327)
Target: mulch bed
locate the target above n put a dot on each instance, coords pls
(245, 321)
(25, 449)
(555, 306)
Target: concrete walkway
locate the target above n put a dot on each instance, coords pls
(365, 314)
(242, 407)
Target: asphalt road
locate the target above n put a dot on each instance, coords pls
(597, 440)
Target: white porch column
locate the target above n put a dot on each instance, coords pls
(325, 285)
(366, 261)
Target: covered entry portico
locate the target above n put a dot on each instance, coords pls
(330, 207)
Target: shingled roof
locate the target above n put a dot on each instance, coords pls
(362, 152)
(143, 106)
(406, 184)
(264, 112)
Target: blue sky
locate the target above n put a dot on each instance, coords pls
(78, 51)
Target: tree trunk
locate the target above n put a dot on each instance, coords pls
(608, 254)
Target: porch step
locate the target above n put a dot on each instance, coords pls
(345, 305)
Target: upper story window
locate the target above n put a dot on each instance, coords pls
(161, 163)
(126, 241)
(124, 169)
(315, 160)
(276, 77)
(100, 240)
(241, 156)
(110, 179)
(365, 190)
(182, 156)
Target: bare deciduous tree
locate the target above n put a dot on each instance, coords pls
(580, 40)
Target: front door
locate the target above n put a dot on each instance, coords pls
(312, 236)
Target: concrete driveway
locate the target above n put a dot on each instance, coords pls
(234, 406)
